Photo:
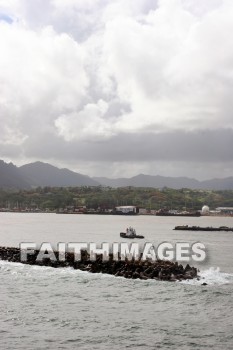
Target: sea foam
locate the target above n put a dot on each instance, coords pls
(211, 276)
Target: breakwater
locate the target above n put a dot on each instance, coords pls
(135, 269)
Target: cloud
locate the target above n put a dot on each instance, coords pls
(204, 146)
(42, 75)
(116, 80)
(88, 123)
(171, 68)
(196, 154)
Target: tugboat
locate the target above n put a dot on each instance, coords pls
(130, 233)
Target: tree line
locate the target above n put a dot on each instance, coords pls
(53, 198)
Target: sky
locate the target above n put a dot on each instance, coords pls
(118, 87)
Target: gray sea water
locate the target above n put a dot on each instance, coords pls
(46, 308)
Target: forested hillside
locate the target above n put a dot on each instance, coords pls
(105, 197)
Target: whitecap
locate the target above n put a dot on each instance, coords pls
(211, 276)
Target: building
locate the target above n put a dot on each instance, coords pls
(205, 210)
(127, 209)
(225, 210)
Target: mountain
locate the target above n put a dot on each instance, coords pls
(218, 184)
(120, 182)
(44, 174)
(151, 181)
(157, 181)
(10, 177)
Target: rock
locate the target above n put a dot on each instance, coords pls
(135, 269)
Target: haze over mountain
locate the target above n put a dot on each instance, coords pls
(171, 182)
(44, 174)
(143, 180)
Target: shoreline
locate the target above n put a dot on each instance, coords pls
(110, 214)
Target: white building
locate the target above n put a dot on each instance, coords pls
(205, 210)
(225, 210)
(127, 209)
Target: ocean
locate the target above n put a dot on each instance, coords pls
(47, 308)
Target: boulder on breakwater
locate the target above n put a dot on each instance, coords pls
(136, 269)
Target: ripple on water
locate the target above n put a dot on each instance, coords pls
(72, 309)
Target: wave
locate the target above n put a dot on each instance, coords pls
(211, 276)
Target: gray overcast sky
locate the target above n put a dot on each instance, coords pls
(118, 87)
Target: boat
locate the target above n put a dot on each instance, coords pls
(164, 212)
(130, 233)
(198, 228)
